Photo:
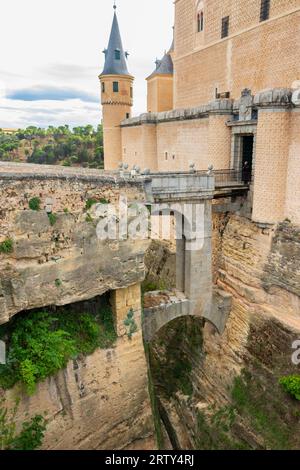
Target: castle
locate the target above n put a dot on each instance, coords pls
(226, 94)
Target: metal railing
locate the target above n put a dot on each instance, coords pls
(232, 177)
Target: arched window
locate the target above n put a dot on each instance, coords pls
(200, 22)
(199, 6)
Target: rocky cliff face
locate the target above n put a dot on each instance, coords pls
(100, 401)
(228, 395)
(64, 262)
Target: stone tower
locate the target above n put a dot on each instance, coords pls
(116, 96)
(160, 85)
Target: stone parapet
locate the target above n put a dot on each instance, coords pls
(274, 98)
(222, 106)
(269, 98)
(28, 171)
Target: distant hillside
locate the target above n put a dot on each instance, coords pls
(81, 146)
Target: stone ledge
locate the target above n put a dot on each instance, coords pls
(269, 98)
(273, 98)
(222, 106)
(28, 171)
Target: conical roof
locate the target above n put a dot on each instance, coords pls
(164, 66)
(115, 57)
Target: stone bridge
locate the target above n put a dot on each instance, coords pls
(70, 252)
(188, 197)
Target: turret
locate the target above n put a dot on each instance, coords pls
(116, 96)
(160, 85)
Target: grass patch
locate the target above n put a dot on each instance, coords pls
(213, 431)
(41, 343)
(52, 218)
(92, 201)
(261, 410)
(148, 286)
(35, 204)
(7, 246)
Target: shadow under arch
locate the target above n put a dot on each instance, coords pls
(156, 318)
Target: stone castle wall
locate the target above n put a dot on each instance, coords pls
(292, 203)
(247, 58)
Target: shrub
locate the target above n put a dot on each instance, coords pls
(130, 323)
(40, 343)
(58, 282)
(66, 210)
(52, 218)
(291, 385)
(29, 438)
(7, 246)
(35, 204)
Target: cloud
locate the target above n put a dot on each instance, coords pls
(49, 93)
(67, 71)
(20, 114)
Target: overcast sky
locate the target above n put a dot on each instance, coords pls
(51, 56)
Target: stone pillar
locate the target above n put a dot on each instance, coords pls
(272, 147)
(122, 301)
(219, 134)
(198, 269)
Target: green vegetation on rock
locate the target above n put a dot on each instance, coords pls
(29, 438)
(171, 356)
(251, 407)
(130, 323)
(89, 203)
(151, 286)
(7, 246)
(52, 218)
(41, 343)
(291, 385)
(92, 201)
(35, 204)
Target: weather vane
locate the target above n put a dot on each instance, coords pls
(115, 6)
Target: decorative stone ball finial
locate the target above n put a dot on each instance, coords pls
(192, 167)
(146, 171)
(125, 166)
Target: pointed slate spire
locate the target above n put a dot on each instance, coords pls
(165, 65)
(115, 57)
